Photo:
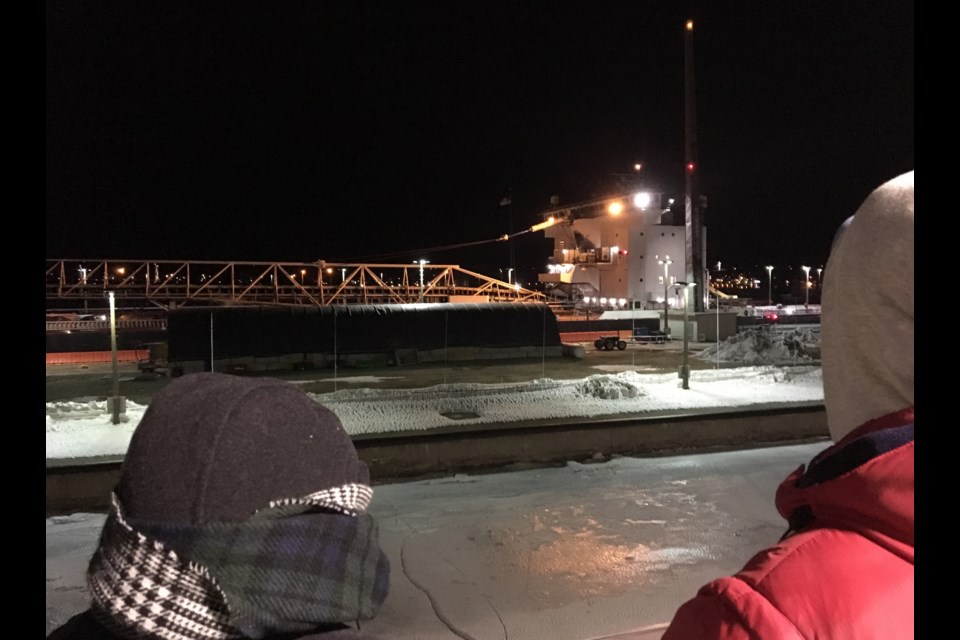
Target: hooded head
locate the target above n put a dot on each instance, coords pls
(867, 322)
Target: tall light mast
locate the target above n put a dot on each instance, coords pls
(693, 210)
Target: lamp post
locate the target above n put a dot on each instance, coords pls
(806, 285)
(770, 284)
(666, 262)
(717, 298)
(116, 403)
(685, 367)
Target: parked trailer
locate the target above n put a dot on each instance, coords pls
(644, 335)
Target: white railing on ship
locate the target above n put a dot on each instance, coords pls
(104, 325)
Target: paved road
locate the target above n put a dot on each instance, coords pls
(68, 382)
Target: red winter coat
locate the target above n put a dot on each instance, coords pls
(844, 571)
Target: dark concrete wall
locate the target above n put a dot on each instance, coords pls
(272, 331)
(80, 487)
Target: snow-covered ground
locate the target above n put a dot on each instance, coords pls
(779, 369)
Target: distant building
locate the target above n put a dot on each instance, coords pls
(615, 253)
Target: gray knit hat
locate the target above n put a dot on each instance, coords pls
(217, 447)
(867, 323)
(240, 512)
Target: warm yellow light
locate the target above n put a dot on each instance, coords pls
(615, 208)
(689, 25)
(549, 222)
(329, 269)
(121, 270)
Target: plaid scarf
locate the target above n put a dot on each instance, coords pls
(288, 568)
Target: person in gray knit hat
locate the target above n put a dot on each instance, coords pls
(845, 567)
(240, 513)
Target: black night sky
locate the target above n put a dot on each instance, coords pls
(376, 131)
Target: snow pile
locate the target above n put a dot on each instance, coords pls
(759, 346)
(76, 415)
(375, 411)
(610, 387)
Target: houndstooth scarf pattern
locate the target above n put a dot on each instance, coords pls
(289, 568)
(349, 499)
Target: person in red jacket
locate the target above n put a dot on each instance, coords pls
(844, 569)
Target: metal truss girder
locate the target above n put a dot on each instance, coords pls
(172, 283)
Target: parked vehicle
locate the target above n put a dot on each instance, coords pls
(156, 360)
(609, 343)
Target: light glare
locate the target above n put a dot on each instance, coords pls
(641, 200)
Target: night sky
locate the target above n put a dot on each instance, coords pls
(380, 131)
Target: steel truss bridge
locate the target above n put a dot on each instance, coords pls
(169, 284)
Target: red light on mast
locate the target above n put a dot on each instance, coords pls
(690, 167)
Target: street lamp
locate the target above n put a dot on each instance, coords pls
(422, 262)
(806, 285)
(685, 367)
(666, 262)
(770, 286)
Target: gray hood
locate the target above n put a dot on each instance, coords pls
(867, 322)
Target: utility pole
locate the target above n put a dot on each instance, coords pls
(685, 367)
(512, 258)
(693, 208)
